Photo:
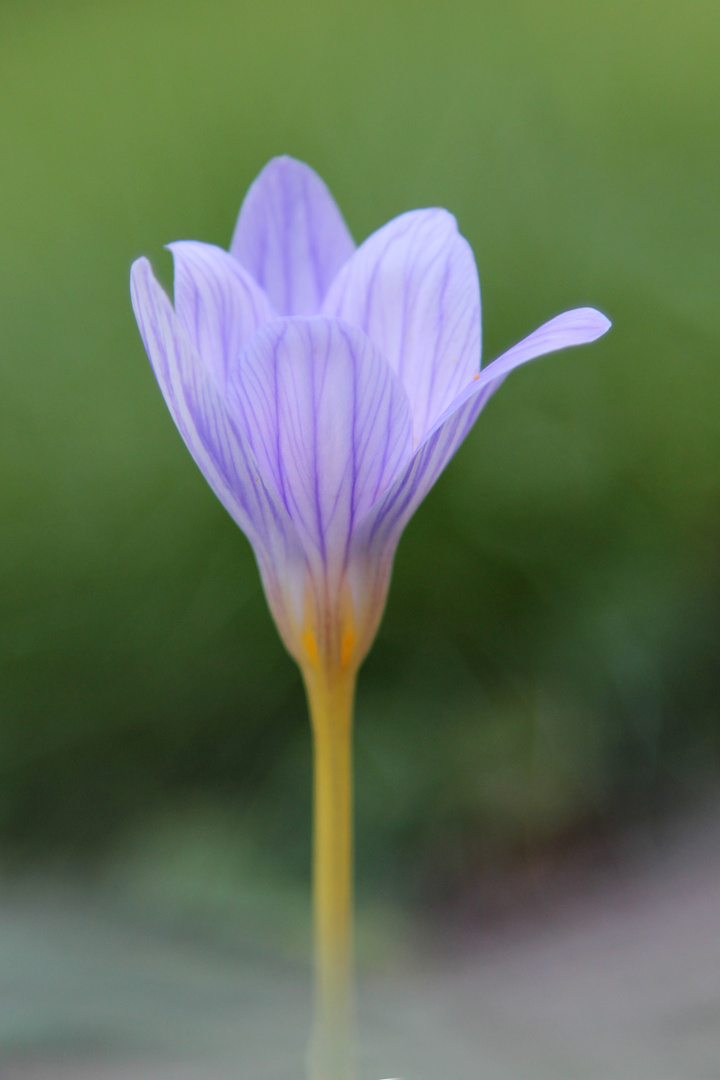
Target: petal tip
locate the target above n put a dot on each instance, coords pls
(605, 323)
(594, 321)
(139, 266)
(285, 165)
(142, 282)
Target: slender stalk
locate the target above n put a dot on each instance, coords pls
(330, 699)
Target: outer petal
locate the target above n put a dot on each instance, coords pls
(577, 327)
(214, 440)
(291, 236)
(328, 423)
(581, 326)
(377, 535)
(218, 303)
(413, 288)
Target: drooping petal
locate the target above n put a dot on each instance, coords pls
(413, 288)
(376, 536)
(577, 327)
(291, 236)
(218, 303)
(213, 438)
(328, 423)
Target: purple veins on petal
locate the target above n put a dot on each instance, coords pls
(218, 303)
(577, 327)
(322, 389)
(413, 288)
(328, 423)
(211, 433)
(291, 237)
(381, 528)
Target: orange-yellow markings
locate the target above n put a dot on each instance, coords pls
(346, 646)
(310, 644)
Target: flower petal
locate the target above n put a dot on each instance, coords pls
(577, 327)
(328, 423)
(377, 535)
(291, 236)
(217, 302)
(381, 529)
(413, 288)
(212, 437)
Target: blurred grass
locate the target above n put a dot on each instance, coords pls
(549, 655)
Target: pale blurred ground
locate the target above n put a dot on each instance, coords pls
(616, 976)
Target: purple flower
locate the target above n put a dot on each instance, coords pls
(322, 389)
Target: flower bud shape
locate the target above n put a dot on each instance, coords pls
(322, 389)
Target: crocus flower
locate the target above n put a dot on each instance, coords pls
(322, 389)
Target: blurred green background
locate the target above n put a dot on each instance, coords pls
(548, 665)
